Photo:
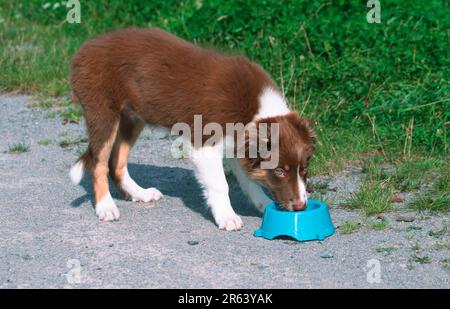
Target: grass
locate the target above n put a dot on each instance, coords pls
(433, 202)
(318, 187)
(416, 247)
(146, 136)
(372, 168)
(45, 142)
(413, 228)
(50, 102)
(44, 103)
(386, 250)
(446, 264)
(334, 152)
(442, 244)
(385, 175)
(436, 199)
(80, 151)
(51, 115)
(375, 193)
(440, 233)
(421, 259)
(68, 141)
(410, 175)
(349, 227)
(19, 148)
(71, 114)
(373, 198)
(407, 175)
(416, 257)
(379, 224)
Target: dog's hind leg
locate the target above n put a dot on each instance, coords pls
(130, 128)
(102, 130)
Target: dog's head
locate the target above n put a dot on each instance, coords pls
(287, 178)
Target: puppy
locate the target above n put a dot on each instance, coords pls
(133, 77)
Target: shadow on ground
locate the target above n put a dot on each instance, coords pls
(174, 182)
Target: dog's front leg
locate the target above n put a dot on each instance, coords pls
(253, 190)
(210, 174)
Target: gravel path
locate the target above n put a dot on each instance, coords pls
(50, 236)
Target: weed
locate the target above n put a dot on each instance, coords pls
(373, 198)
(421, 259)
(80, 151)
(442, 244)
(44, 142)
(349, 227)
(318, 187)
(71, 114)
(386, 250)
(410, 175)
(431, 201)
(44, 103)
(439, 233)
(19, 148)
(436, 199)
(446, 264)
(51, 115)
(416, 247)
(380, 224)
(413, 228)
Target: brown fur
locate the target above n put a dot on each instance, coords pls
(135, 76)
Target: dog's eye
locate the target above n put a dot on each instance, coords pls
(279, 172)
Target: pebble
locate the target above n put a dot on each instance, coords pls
(405, 219)
(150, 205)
(326, 254)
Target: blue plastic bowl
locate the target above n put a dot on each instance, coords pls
(313, 223)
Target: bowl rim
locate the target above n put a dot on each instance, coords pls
(319, 204)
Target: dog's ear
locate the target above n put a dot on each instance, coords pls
(255, 136)
(304, 125)
(310, 127)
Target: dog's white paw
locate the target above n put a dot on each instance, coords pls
(137, 193)
(230, 223)
(107, 210)
(146, 195)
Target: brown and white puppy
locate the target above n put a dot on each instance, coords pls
(133, 77)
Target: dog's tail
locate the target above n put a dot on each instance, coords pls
(83, 164)
(80, 167)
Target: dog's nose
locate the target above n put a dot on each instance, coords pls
(298, 205)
